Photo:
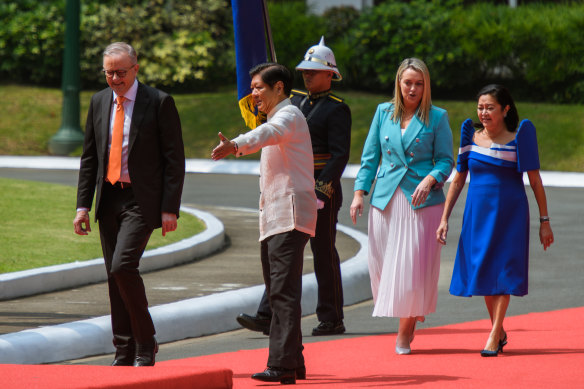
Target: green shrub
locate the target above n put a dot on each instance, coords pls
(534, 49)
(180, 43)
(338, 20)
(294, 30)
(384, 35)
(177, 41)
(31, 41)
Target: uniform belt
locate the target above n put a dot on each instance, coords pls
(320, 160)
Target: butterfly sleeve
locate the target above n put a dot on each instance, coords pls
(466, 134)
(527, 153)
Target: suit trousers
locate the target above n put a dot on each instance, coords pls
(327, 265)
(282, 261)
(124, 235)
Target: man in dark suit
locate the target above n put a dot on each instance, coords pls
(133, 159)
(329, 121)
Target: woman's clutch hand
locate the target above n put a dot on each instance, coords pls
(442, 232)
(356, 206)
(546, 235)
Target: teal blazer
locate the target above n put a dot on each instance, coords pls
(405, 161)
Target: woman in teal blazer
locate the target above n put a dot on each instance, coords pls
(409, 151)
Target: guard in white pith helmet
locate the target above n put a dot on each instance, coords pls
(329, 121)
(320, 57)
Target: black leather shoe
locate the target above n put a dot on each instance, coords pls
(301, 373)
(145, 353)
(329, 328)
(276, 374)
(127, 361)
(125, 351)
(255, 323)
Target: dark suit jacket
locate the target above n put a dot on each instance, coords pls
(156, 160)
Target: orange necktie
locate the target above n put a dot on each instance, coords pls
(115, 157)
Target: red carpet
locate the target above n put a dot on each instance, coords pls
(94, 377)
(545, 350)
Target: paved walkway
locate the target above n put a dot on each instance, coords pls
(236, 266)
(555, 275)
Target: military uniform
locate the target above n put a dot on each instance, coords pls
(329, 122)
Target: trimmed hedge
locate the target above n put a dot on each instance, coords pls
(535, 49)
(180, 43)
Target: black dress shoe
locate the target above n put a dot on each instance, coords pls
(276, 374)
(128, 361)
(329, 328)
(301, 373)
(145, 353)
(255, 323)
(125, 351)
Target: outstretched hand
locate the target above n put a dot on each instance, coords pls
(225, 148)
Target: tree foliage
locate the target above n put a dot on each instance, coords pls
(179, 43)
(535, 48)
(31, 40)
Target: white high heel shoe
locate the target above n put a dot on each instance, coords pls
(402, 350)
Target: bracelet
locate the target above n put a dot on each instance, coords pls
(544, 219)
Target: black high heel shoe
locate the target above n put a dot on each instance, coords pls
(489, 353)
(502, 343)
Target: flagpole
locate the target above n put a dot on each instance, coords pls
(269, 31)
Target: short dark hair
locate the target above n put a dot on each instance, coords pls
(271, 73)
(503, 97)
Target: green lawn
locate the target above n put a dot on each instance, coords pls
(36, 227)
(32, 115)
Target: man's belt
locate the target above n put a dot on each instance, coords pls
(320, 160)
(121, 185)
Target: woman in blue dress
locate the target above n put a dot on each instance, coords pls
(493, 251)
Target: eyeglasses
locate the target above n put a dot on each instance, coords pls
(120, 72)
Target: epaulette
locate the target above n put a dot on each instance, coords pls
(298, 93)
(335, 98)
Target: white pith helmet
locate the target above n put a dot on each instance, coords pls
(320, 57)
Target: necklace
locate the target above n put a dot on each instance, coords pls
(408, 117)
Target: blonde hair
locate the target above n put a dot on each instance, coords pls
(423, 111)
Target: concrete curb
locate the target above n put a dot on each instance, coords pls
(189, 318)
(71, 275)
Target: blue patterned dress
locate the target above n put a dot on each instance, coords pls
(493, 250)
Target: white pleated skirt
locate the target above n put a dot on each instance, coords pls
(404, 258)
